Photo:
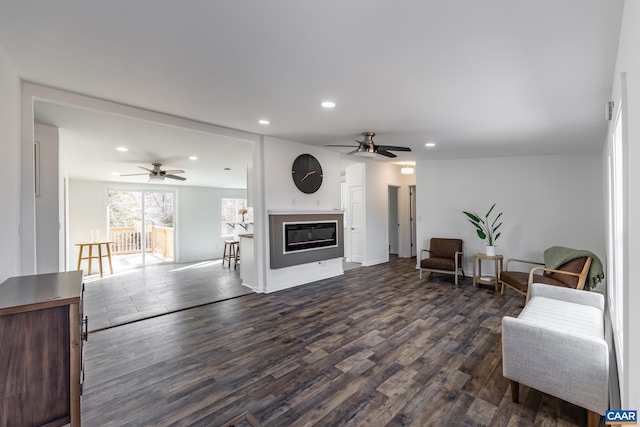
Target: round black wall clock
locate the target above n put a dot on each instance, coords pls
(307, 173)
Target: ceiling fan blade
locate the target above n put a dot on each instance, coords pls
(386, 153)
(392, 148)
(181, 178)
(174, 171)
(133, 174)
(147, 169)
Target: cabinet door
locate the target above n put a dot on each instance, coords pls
(35, 368)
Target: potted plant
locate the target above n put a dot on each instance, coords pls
(487, 230)
(243, 212)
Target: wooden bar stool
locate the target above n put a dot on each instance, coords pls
(233, 247)
(91, 256)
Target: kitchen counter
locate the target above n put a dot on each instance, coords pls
(248, 273)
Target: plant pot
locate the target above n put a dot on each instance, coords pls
(490, 250)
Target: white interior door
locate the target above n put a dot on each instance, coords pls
(356, 221)
(394, 221)
(412, 219)
(344, 201)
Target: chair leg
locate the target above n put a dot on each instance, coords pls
(593, 419)
(236, 258)
(420, 273)
(515, 391)
(224, 253)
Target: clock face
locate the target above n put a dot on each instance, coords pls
(307, 173)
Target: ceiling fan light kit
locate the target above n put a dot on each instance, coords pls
(367, 154)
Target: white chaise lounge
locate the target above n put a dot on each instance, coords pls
(556, 345)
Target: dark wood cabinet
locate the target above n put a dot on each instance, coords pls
(41, 343)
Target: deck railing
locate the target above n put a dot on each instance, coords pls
(128, 240)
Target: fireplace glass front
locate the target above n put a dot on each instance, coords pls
(306, 236)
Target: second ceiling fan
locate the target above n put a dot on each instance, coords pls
(369, 149)
(157, 174)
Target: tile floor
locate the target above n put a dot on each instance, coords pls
(134, 293)
(129, 295)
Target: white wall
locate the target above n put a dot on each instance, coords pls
(198, 221)
(281, 194)
(628, 62)
(545, 200)
(197, 216)
(10, 171)
(48, 224)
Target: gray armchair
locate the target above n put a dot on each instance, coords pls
(556, 345)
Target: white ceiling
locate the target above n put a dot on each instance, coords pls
(88, 142)
(479, 78)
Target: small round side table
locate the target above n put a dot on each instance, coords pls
(486, 280)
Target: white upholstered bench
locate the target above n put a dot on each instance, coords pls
(556, 345)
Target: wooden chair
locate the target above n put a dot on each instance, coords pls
(572, 274)
(443, 256)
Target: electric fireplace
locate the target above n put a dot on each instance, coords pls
(297, 238)
(309, 235)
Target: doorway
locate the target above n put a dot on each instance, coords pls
(141, 226)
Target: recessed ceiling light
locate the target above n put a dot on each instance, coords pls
(123, 149)
(193, 157)
(430, 144)
(328, 104)
(264, 122)
(115, 173)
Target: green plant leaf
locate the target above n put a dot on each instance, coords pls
(489, 213)
(476, 225)
(496, 220)
(472, 217)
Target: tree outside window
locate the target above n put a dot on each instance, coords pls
(233, 211)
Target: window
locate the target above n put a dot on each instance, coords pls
(232, 213)
(616, 244)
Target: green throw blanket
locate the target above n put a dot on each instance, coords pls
(555, 256)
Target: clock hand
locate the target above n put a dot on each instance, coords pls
(307, 175)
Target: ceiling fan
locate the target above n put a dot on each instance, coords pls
(157, 174)
(368, 149)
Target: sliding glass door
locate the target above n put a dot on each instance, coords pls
(141, 225)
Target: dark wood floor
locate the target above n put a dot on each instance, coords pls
(375, 347)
